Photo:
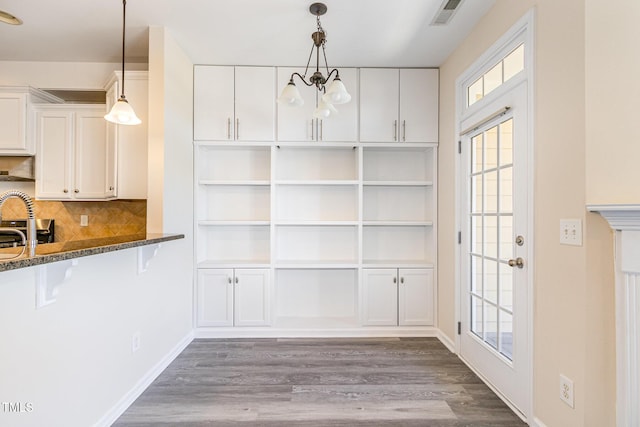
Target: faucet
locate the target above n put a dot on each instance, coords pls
(32, 241)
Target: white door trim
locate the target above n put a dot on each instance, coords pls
(522, 31)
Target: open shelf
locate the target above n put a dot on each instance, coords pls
(316, 163)
(316, 244)
(248, 163)
(256, 182)
(392, 244)
(398, 183)
(234, 203)
(316, 203)
(394, 223)
(232, 222)
(243, 243)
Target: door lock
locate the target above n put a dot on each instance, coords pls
(518, 262)
(519, 240)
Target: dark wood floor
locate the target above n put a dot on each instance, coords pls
(318, 382)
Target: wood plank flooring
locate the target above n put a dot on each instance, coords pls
(318, 382)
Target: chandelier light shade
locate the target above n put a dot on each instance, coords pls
(122, 113)
(336, 93)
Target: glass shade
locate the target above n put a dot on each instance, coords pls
(122, 113)
(324, 110)
(290, 96)
(337, 93)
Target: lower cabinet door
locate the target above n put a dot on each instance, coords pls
(215, 297)
(380, 299)
(415, 297)
(251, 297)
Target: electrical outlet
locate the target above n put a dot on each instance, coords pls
(571, 232)
(84, 220)
(135, 342)
(566, 390)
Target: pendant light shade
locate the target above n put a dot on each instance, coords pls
(122, 113)
(291, 95)
(324, 110)
(337, 93)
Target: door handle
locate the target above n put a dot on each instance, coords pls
(518, 262)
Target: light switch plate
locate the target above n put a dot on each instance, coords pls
(571, 232)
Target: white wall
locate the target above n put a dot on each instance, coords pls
(72, 360)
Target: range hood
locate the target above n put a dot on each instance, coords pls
(16, 168)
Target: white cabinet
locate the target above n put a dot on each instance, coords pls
(129, 144)
(17, 119)
(233, 297)
(402, 297)
(234, 103)
(398, 105)
(297, 124)
(74, 159)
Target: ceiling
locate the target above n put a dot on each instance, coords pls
(374, 33)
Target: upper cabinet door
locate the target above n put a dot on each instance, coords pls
(92, 160)
(379, 94)
(13, 122)
(418, 105)
(255, 103)
(296, 124)
(213, 103)
(343, 127)
(55, 153)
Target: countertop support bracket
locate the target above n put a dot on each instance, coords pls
(49, 278)
(145, 255)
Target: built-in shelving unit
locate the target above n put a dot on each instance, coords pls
(317, 237)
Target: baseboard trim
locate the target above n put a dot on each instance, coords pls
(447, 342)
(114, 413)
(537, 423)
(368, 332)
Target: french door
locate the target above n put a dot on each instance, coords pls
(495, 245)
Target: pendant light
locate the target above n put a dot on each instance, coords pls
(335, 94)
(122, 113)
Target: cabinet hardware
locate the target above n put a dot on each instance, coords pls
(395, 280)
(76, 191)
(321, 130)
(404, 130)
(65, 191)
(402, 280)
(229, 279)
(395, 130)
(312, 136)
(236, 280)
(111, 188)
(237, 129)
(518, 262)
(228, 127)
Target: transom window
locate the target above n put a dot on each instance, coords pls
(508, 67)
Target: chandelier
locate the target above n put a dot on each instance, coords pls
(335, 93)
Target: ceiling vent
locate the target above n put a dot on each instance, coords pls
(446, 12)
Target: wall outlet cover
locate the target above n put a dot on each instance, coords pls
(566, 390)
(571, 232)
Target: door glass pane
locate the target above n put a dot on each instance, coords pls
(476, 316)
(493, 78)
(506, 142)
(491, 236)
(476, 194)
(491, 148)
(476, 154)
(506, 237)
(491, 191)
(476, 281)
(506, 334)
(491, 281)
(506, 287)
(491, 325)
(506, 190)
(476, 235)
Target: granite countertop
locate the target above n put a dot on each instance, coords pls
(53, 252)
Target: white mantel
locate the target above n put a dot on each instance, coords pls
(625, 221)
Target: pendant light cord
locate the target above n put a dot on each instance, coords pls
(124, 21)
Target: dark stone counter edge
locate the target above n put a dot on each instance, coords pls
(96, 249)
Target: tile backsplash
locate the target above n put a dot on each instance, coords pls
(106, 219)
